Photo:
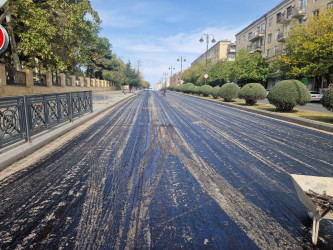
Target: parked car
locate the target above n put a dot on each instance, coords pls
(315, 96)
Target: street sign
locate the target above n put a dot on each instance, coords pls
(4, 39)
(205, 76)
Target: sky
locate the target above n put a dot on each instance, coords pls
(153, 34)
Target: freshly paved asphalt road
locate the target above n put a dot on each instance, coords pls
(174, 172)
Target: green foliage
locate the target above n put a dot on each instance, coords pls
(186, 87)
(287, 94)
(249, 67)
(215, 92)
(191, 89)
(309, 48)
(197, 90)
(229, 91)
(327, 99)
(132, 78)
(252, 92)
(205, 90)
(195, 73)
(219, 73)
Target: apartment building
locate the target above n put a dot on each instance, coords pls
(223, 49)
(267, 34)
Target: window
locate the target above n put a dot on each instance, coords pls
(262, 28)
(239, 41)
(277, 33)
(278, 17)
(289, 11)
(269, 38)
(249, 35)
(244, 38)
(276, 50)
(270, 22)
(268, 53)
(286, 30)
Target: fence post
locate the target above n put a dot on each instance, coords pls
(49, 80)
(27, 127)
(91, 101)
(29, 79)
(70, 107)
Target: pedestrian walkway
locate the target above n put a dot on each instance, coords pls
(101, 102)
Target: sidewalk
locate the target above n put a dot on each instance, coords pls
(101, 102)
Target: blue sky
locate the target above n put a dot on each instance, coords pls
(157, 32)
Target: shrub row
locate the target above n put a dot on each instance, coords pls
(284, 96)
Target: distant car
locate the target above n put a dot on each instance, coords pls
(315, 96)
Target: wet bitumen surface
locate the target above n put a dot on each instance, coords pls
(169, 173)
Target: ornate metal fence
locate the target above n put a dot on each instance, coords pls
(24, 116)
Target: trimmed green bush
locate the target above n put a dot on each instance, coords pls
(206, 90)
(229, 91)
(252, 92)
(215, 92)
(197, 90)
(191, 89)
(327, 100)
(287, 94)
(187, 86)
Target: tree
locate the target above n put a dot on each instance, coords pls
(309, 48)
(195, 74)
(219, 73)
(51, 34)
(249, 67)
(132, 78)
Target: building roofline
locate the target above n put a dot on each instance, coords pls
(264, 16)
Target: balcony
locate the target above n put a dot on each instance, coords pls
(298, 12)
(256, 36)
(284, 19)
(281, 37)
(256, 48)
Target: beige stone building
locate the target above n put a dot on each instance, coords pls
(267, 34)
(223, 49)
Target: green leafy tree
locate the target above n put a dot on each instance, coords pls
(249, 67)
(195, 74)
(132, 78)
(309, 49)
(219, 73)
(51, 34)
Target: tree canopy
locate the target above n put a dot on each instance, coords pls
(63, 36)
(309, 48)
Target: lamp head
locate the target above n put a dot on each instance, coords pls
(201, 40)
(213, 40)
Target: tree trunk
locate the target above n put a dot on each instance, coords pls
(16, 60)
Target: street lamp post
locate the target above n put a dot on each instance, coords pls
(181, 59)
(171, 68)
(207, 41)
(165, 75)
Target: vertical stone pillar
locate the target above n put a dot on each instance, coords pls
(49, 79)
(88, 81)
(81, 79)
(3, 81)
(97, 83)
(62, 80)
(92, 83)
(29, 77)
(73, 80)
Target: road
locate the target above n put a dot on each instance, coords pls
(166, 173)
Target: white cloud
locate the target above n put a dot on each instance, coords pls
(157, 54)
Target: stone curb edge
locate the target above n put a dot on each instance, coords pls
(23, 150)
(296, 120)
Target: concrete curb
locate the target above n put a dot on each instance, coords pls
(38, 141)
(279, 116)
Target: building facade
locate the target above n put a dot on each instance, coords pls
(223, 49)
(267, 34)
